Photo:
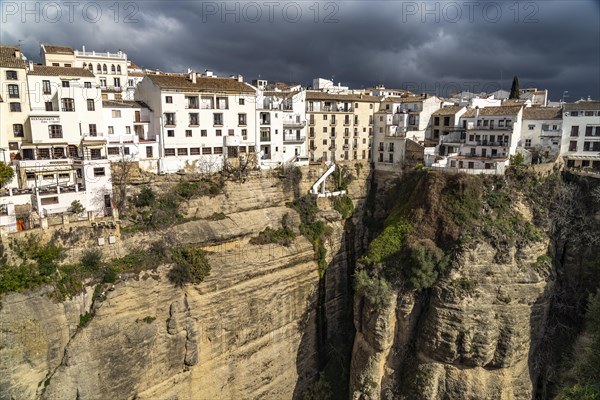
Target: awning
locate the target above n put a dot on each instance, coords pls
(578, 157)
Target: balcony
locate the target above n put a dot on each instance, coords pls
(489, 128)
(295, 123)
(332, 147)
(192, 106)
(265, 138)
(489, 143)
(294, 138)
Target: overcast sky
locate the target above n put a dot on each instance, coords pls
(435, 47)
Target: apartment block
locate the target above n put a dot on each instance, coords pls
(541, 132)
(580, 145)
(340, 125)
(200, 120)
(14, 103)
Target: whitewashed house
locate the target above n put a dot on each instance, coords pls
(541, 132)
(580, 145)
(200, 120)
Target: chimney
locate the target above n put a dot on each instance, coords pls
(30, 65)
(192, 75)
(240, 78)
(477, 112)
(83, 49)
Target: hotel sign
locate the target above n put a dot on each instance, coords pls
(45, 120)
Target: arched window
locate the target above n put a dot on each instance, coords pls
(119, 69)
(112, 69)
(99, 68)
(91, 67)
(104, 68)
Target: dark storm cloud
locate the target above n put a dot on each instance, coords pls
(423, 45)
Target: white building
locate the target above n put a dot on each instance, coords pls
(14, 102)
(541, 132)
(110, 69)
(128, 132)
(200, 120)
(281, 118)
(488, 138)
(580, 145)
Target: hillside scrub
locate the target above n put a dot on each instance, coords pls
(283, 236)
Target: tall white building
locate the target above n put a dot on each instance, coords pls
(200, 120)
(541, 132)
(580, 145)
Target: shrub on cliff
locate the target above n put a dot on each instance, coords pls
(343, 205)
(283, 236)
(190, 265)
(388, 243)
(376, 290)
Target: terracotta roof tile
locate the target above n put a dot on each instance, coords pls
(315, 95)
(8, 59)
(537, 113)
(60, 71)
(123, 104)
(50, 49)
(408, 99)
(448, 110)
(582, 106)
(493, 111)
(203, 84)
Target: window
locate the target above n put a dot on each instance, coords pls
(589, 114)
(171, 133)
(117, 82)
(203, 133)
(90, 105)
(46, 87)
(91, 68)
(194, 119)
(188, 133)
(104, 69)
(67, 65)
(118, 69)
(18, 130)
(169, 118)
(55, 131)
(575, 131)
(112, 69)
(217, 119)
(218, 150)
(149, 152)
(324, 117)
(98, 68)
(66, 84)
(169, 99)
(230, 132)
(222, 103)
(242, 119)
(182, 152)
(436, 120)
(99, 171)
(11, 75)
(324, 142)
(103, 82)
(206, 150)
(87, 85)
(527, 142)
(206, 102)
(13, 91)
(128, 130)
(113, 151)
(573, 145)
(116, 113)
(244, 134)
(15, 107)
(195, 151)
(218, 132)
(111, 130)
(530, 127)
(49, 106)
(446, 121)
(55, 64)
(49, 200)
(93, 131)
(241, 102)
(68, 104)
(169, 152)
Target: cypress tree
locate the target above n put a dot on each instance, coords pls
(514, 90)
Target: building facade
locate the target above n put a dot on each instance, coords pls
(580, 145)
(541, 132)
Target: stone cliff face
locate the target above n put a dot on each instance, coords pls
(248, 330)
(467, 343)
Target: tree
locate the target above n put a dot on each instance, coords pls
(514, 90)
(122, 173)
(6, 173)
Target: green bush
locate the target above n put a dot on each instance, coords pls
(76, 207)
(422, 263)
(145, 197)
(376, 290)
(388, 243)
(84, 319)
(17, 278)
(190, 266)
(6, 173)
(91, 260)
(343, 205)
